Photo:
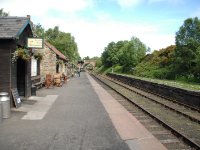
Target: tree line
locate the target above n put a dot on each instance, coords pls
(124, 53)
(179, 61)
(3, 14)
(64, 42)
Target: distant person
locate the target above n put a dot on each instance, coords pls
(79, 71)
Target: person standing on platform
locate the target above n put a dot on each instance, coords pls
(79, 71)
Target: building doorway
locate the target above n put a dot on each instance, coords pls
(57, 68)
(21, 71)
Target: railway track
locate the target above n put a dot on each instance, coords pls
(182, 121)
(185, 110)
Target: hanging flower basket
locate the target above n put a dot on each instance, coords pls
(21, 53)
(38, 56)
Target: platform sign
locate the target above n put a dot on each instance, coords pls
(35, 43)
(16, 98)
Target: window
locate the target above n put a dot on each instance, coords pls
(57, 68)
(33, 67)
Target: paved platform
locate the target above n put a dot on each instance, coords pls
(78, 116)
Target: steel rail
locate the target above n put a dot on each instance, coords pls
(176, 133)
(177, 111)
(170, 99)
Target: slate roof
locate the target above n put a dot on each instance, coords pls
(55, 50)
(12, 27)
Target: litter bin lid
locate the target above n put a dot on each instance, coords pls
(3, 94)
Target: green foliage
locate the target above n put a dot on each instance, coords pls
(86, 58)
(110, 55)
(98, 70)
(63, 42)
(118, 69)
(38, 30)
(145, 69)
(187, 78)
(157, 65)
(21, 53)
(103, 70)
(178, 62)
(52, 34)
(132, 52)
(125, 53)
(98, 62)
(3, 14)
(162, 73)
(188, 45)
(38, 56)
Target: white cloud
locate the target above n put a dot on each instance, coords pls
(102, 16)
(90, 36)
(41, 7)
(93, 37)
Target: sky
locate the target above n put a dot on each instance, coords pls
(96, 23)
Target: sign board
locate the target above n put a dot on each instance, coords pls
(35, 43)
(16, 98)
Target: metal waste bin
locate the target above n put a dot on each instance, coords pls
(5, 102)
(33, 90)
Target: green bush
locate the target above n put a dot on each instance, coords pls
(117, 69)
(161, 73)
(103, 70)
(187, 78)
(145, 70)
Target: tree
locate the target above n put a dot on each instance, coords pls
(112, 53)
(52, 34)
(38, 30)
(158, 64)
(64, 42)
(3, 14)
(104, 59)
(98, 62)
(86, 58)
(132, 52)
(187, 46)
(109, 56)
(126, 53)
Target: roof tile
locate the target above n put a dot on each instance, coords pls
(55, 50)
(10, 26)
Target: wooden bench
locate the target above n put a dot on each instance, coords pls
(37, 81)
(49, 81)
(57, 79)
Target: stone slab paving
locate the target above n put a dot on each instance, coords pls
(78, 116)
(128, 127)
(39, 109)
(61, 118)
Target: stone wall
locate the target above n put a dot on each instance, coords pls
(191, 98)
(48, 62)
